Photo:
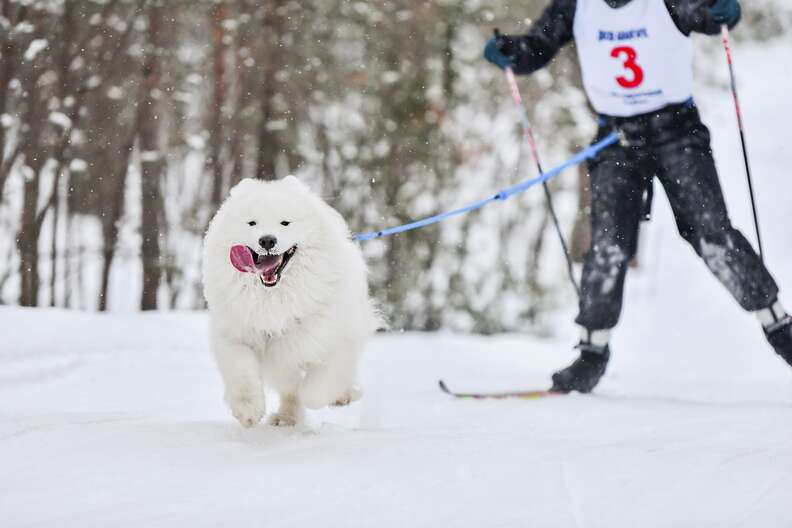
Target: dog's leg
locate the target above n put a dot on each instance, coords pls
(240, 369)
(329, 384)
(351, 395)
(283, 375)
(290, 412)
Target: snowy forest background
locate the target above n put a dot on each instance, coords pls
(123, 123)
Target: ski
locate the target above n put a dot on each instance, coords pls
(523, 395)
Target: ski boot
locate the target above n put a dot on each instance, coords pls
(584, 374)
(779, 335)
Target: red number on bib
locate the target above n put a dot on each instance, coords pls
(629, 63)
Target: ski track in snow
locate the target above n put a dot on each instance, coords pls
(118, 420)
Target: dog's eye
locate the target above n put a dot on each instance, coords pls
(285, 223)
(252, 223)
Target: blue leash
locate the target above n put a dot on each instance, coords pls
(588, 152)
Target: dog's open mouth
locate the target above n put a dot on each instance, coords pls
(268, 266)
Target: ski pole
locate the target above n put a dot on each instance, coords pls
(529, 137)
(733, 80)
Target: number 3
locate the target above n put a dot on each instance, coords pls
(629, 64)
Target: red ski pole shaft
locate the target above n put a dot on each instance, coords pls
(733, 81)
(529, 137)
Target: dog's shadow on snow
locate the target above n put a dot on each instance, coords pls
(261, 436)
(318, 427)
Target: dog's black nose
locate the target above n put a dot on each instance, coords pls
(268, 242)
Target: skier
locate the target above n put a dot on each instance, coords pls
(636, 60)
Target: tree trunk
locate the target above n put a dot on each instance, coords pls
(69, 249)
(270, 54)
(27, 243)
(217, 17)
(151, 161)
(29, 227)
(110, 225)
(64, 61)
(7, 70)
(243, 97)
(54, 253)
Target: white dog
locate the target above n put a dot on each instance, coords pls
(288, 300)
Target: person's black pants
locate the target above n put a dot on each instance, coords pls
(673, 145)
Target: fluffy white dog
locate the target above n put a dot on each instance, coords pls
(288, 300)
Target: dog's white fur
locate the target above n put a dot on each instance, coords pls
(302, 338)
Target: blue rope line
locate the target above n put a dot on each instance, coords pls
(580, 157)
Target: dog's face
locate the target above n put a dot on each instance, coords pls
(265, 224)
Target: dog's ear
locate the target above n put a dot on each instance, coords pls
(244, 185)
(295, 183)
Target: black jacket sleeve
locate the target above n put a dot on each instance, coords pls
(693, 15)
(548, 34)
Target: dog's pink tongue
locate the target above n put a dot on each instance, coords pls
(241, 259)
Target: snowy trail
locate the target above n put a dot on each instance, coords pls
(134, 433)
(118, 420)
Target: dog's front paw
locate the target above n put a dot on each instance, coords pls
(352, 395)
(282, 420)
(248, 412)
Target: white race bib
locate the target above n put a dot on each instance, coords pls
(634, 59)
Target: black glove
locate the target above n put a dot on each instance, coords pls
(503, 51)
(725, 11)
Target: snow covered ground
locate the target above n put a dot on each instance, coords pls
(117, 420)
